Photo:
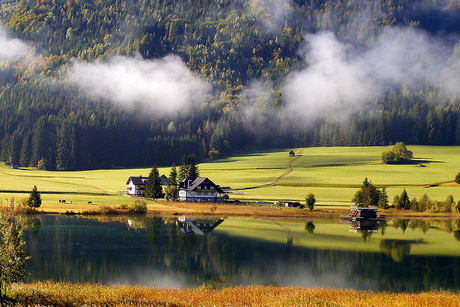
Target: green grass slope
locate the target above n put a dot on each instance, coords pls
(333, 174)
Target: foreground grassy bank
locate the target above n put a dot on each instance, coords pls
(62, 294)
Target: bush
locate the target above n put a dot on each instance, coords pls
(457, 178)
(310, 201)
(397, 154)
(13, 257)
(137, 206)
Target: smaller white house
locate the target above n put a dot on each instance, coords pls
(136, 185)
(199, 189)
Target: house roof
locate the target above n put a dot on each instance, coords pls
(138, 180)
(197, 181)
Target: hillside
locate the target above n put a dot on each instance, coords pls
(332, 174)
(123, 83)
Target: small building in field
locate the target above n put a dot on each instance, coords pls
(136, 185)
(361, 213)
(13, 165)
(292, 153)
(291, 204)
(164, 180)
(199, 189)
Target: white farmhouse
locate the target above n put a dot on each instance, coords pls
(136, 185)
(199, 189)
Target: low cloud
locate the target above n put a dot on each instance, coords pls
(340, 79)
(272, 13)
(10, 47)
(160, 87)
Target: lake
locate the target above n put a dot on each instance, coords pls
(396, 255)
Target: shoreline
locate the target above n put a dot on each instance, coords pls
(173, 209)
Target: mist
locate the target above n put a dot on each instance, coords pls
(272, 13)
(10, 47)
(159, 87)
(341, 79)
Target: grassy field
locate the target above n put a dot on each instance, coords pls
(61, 294)
(333, 174)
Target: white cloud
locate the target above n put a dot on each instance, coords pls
(161, 87)
(272, 13)
(340, 79)
(10, 47)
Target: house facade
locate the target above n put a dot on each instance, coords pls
(136, 185)
(199, 189)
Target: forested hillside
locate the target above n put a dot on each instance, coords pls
(110, 83)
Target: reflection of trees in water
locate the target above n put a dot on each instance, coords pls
(401, 224)
(85, 250)
(450, 226)
(457, 235)
(397, 249)
(310, 227)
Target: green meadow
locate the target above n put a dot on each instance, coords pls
(333, 174)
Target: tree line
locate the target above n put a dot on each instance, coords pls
(53, 126)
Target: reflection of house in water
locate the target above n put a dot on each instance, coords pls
(364, 226)
(198, 226)
(363, 219)
(360, 213)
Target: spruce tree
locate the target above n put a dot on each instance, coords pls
(153, 187)
(35, 199)
(192, 167)
(183, 169)
(404, 200)
(173, 176)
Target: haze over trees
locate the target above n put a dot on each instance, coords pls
(89, 84)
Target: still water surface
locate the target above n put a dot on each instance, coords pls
(398, 255)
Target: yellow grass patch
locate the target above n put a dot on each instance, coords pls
(63, 294)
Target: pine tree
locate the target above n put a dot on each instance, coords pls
(173, 176)
(183, 169)
(383, 200)
(193, 170)
(404, 200)
(153, 187)
(35, 199)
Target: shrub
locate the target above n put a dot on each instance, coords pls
(310, 201)
(13, 257)
(457, 178)
(137, 206)
(397, 154)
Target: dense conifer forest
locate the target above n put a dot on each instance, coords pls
(122, 83)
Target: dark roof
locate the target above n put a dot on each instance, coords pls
(194, 182)
(137, 180)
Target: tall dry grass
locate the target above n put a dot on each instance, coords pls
(64, 294)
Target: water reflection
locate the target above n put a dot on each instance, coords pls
(198, 226)
(156, 251)
(397, 249)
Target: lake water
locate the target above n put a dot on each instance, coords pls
(398, 255)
